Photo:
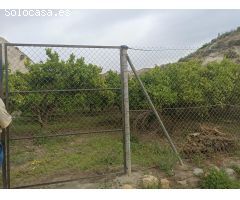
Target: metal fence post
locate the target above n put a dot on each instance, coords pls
(1, 71)
(125, 110)
(4, 166)
(6, 131)
(3, 135)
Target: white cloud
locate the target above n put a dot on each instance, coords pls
(132, 27)
(125, 32)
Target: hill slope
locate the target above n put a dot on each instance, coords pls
(225, 45)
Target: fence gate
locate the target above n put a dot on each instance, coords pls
(64, 100)
(69, 103)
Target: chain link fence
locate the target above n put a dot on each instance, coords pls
(197, 98)
(68, 110)
(66, 105)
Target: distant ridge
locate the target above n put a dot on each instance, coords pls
(225, 45)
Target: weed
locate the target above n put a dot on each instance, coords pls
(110, 158)
(166, 159)
(134, 139)
(41, 140)
(218, 180)
(198, 160)
(77, 154)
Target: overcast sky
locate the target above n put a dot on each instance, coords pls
(116, 27)
(141, 28)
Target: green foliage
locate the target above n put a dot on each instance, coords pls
(189, 84)
(220, 81)
(234, 42)
(180, 84)
(198, 160)
(218, 180)
(78, 154)
(110, 157)
(134, 139)
(167, 159)
(112, 80)
(56, 74)
(159, 87)
(230, 54)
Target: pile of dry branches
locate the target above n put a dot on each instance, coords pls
(208, 140)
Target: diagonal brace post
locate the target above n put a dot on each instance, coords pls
(154, 110)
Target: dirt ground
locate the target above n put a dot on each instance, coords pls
(83, 156)
(180, 177)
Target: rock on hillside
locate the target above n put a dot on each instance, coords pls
(16, 58)
(225, 45)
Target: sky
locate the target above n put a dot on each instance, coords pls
(116, 27)
(135, 28)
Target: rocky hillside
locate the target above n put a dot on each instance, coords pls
(225, 45)
(16, 58)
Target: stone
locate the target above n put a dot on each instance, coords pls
(183, 167)
(150, 181)
(229, 171)
(127, 186)
(164, 183)
(182, 175)
(197, 171)
(216, 168)
(182, 183)
(133, 179)
(193, 182)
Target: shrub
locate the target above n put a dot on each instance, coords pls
(166, 159)
(234, 43)
(218, 180)
(180, 84)
(230, 54)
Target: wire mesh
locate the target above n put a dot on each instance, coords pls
(197, 97)
(56, 91)
(66, 107)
